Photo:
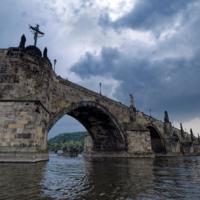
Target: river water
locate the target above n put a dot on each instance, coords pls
(102, 178)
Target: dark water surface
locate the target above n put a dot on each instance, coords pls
(101, 178)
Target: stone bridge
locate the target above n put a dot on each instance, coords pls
(33, 98)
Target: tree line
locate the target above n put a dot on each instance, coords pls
(65, 146)
(75, 136)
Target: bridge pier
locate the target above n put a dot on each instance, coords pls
(172, 142)
(23, 116)
(22, 135)
(187, 148)
(172, 145)
(196, 146)
(138, 139)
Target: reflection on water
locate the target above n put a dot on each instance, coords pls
(102, 178)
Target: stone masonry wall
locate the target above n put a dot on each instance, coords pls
(139, 141)
(25, 98)
(144, 119)
(88, 143)
(23, 73)
(22, 124)
(65, 93)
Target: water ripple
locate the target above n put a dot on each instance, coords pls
(102, 178)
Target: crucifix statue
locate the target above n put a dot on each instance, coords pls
(37, 33)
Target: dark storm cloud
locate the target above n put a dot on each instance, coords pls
(91, 65)
(171, 83)
(156, 15)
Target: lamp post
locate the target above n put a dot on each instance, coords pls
(55, 65)
(150, 112)
(100, 87)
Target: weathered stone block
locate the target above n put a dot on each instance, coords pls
(11, 130)
(18, 135)
(16, 126)
(19, 130)
(27, 136)
(11, 135)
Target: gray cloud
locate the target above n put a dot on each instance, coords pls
(154, 15)
(91, 65)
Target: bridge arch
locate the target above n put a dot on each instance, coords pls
(102, 126)
(157, 141)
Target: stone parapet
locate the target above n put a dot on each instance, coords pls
(3, 52)
(89, 92)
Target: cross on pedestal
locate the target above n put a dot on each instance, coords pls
(37, 33)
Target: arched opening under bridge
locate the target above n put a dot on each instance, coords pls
(99, 123)
(157, 143)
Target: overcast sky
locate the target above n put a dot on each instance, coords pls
(150, 48)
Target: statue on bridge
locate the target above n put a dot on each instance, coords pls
(45, 53)
(132, 110)
(166, 119)
(132, 102)
(37, 33)
(22, 42)
(192, 135)
(182, 132)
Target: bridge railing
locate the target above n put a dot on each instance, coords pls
(90, 92)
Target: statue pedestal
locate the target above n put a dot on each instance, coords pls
(132, 114)
(168, 128)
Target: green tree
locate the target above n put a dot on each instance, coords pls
(49, 145)
(64, 146)
(64, 140)
(56, 147)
